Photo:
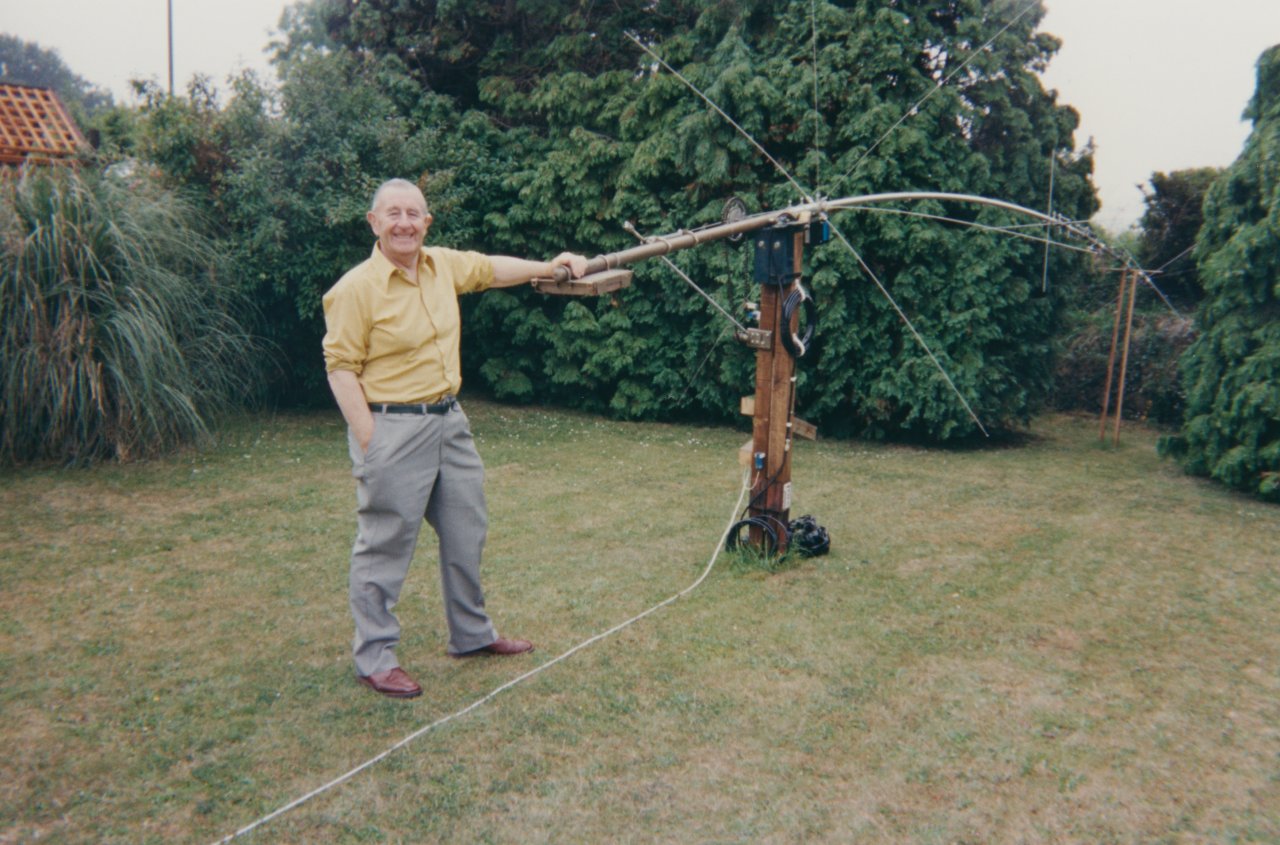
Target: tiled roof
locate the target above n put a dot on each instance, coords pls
(35, 126)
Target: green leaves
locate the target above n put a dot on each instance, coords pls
(537, 127)
(1232, 371)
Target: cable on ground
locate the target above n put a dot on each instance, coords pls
(501, 689)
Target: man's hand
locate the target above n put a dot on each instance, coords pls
(355, 408)
(508, 271)
(577, 264)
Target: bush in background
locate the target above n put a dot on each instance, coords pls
(1232, 371)
(592, 133)
(1153, 390)
(118, 336)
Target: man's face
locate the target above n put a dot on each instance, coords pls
(400, 221)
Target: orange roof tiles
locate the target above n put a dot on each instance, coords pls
(35, 127)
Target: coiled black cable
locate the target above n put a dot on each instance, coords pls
(798, 345)
(768, 531)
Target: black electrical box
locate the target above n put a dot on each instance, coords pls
(775, 256)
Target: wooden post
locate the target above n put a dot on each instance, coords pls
(774, 405)
(1111, 359)
(1124, 356)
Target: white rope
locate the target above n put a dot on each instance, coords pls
(508, 685)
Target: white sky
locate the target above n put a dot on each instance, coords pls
(1160, 84)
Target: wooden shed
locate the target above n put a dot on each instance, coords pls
(36, 128)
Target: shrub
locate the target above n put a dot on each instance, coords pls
(118, 338)
(1232, 371)
(1153, 390)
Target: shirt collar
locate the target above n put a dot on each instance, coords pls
(386, 269)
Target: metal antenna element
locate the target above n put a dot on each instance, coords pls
(1175, 258)
(1149, 282)
(744, 133)
(817, 115)
(907, 322)
(1010, 231)
(939, 86)
(809, 199)
(1048, 232)
(630, 228)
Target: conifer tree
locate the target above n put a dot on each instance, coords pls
(587, 131)
(1232, 371)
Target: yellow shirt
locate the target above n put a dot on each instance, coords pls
(401, 339)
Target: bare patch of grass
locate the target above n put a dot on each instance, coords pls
(1051, 643)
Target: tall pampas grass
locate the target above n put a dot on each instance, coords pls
(119, 334)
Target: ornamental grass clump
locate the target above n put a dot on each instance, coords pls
(118, 336)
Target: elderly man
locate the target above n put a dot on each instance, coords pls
(391, 352)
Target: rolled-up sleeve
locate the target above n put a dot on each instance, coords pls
(347, 325)
(473, 272)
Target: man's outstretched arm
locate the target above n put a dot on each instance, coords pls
(509, 271)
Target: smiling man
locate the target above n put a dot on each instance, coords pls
(392, 354)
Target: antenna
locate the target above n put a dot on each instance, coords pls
(170, 47)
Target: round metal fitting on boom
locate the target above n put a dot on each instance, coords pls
(735, 210)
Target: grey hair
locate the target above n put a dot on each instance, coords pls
(394, 184)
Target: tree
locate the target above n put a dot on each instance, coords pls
(1170, 225)
(1232, 371)
(604, 137)
(27, 63)
(539, 126)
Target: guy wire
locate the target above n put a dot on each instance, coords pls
(744, 133)
(808, 198)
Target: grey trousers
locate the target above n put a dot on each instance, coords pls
(416, 467)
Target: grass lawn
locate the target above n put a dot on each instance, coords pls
(1051, 642)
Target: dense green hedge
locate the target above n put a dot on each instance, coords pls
(1232, 371)
(539, 127)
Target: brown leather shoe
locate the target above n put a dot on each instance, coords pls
(393, 683)
(501, 646)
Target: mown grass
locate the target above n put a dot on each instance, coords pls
(1051, 642)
